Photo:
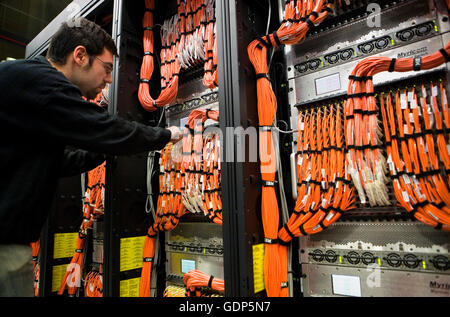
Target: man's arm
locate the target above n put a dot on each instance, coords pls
(84, 125)
(76, 162)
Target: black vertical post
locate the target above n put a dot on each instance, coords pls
(240, 188)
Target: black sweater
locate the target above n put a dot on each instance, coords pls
(42, 114)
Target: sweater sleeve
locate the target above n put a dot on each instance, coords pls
(69, 119)
(79, 161)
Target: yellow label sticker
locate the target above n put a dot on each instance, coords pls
(258, 267)
(130, 288)
(64, 245)
(131, 253)
(58, 272)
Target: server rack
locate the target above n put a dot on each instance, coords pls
(377, 250)
(238, 23)
(125, 195)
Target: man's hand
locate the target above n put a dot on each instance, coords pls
(176, 134)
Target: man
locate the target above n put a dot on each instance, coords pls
(42, 114)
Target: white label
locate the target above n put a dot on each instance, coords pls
(316, 228)
(406, 179)
(329, 216)
(183, 122)
(411, 117)
(187, 265)
(435, 92)
(403, 104)
(392, 167)
(413, 104)
(405, 196)
(346, 285)
(301, 126)
(410, 95)
(389, 159)
(429, 212)
(328, 84)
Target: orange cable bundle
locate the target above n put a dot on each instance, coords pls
(323, 183)
(300, 17)
(402, 154)
(93, 285)
(210, 78)
(35, 248)
(72, 277)
(182, 181)
(171, 69)
(187, 39)
(194, 280)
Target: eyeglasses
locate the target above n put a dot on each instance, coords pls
(108, 67)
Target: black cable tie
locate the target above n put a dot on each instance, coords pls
(302, 230)
(146, 81)
(270, 241)
(210, 281)
(268, 184)
(149, 53)
(311, 25)
(285, 226)
(363, 78)
(417, 65)
(314, 14)
(445, 54)
(439, 226)
(262, 75)
(392, 65)
(265, 128)
(268, 44)
(148, 259)
(276, 38)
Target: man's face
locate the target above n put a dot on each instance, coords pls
(92, 78)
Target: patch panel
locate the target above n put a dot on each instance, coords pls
(368, 48)
(383, 259)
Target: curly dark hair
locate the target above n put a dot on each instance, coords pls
(79, 31)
